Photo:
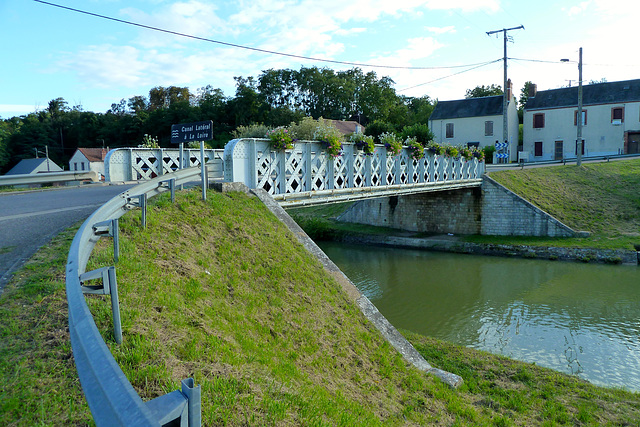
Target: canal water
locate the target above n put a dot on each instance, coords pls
(581, 319)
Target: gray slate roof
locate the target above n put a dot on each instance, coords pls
(27, 166)
(592, 94)
(472, 107)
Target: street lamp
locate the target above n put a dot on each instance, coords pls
(579, 118)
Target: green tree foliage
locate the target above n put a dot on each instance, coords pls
(480, 91)
(274, 98)
(419, 131)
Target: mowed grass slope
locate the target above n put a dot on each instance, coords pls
(221, 291)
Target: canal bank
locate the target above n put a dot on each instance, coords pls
(449, 243)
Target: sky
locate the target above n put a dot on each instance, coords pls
(49, 52)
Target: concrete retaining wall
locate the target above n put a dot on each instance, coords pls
(490, 210)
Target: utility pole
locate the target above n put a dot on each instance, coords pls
(505, 101)
(579, 142)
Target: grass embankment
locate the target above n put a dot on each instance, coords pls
(222, 292)
(601, 198)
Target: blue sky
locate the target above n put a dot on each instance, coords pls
(50, 52)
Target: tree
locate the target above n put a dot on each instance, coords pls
(524, 97)
(480, 91)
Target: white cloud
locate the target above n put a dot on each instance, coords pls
(192, 17)
(441, 30)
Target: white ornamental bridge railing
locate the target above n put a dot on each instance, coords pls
(139, 164)
(307, 175)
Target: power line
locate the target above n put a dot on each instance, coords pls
(574, 62)
(255, 49)
(451, 75)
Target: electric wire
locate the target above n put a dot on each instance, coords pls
(255, 49)
(451, 75)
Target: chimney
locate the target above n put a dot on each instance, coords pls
(533, 90)
(509, 90)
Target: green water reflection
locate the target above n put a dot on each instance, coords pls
(580, 319)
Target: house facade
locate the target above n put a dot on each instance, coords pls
(476, 122)
(610, 121)
(88, 159)
(33, 166)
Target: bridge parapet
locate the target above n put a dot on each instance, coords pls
(139, 164)
(307, 170)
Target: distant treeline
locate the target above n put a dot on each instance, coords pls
(274, 98)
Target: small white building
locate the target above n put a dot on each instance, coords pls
(476, 122)
(610, 121)
(88, 159)
(33, 166)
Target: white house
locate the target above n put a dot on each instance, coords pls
(476, 122)
(610, 121)
(88, 159)
(32, 166)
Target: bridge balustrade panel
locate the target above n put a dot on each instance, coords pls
(308, 168)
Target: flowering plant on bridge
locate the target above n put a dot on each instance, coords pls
(391, 143)
(415, 148)
(329, 139)
(435, 148)
(466, 153)
(363, 142)
(478, 154)
(451, 151)
(280, 138)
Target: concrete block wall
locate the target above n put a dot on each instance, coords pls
(504, 213)
(439, 212)
(490, 210)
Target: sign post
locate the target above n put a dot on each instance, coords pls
(196, 131)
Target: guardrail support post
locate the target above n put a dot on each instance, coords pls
(143, 208)
(192, 392)
(109, 287)
(110, 228)
(203, 170)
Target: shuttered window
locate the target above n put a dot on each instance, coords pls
(538, 121)
(488, 128)
(449, 130)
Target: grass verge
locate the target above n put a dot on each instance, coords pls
(601, 198)
(222, 292)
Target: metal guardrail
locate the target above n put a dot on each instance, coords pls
(111, 397)
(44, 178)
(562, 162)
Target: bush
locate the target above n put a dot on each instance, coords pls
(419, 131)
(251, 131)
(310, 129)
(377, 128)
(488, 153)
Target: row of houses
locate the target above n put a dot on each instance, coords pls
(610, 122)
(84, 159)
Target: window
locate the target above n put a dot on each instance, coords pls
(538, 121)
(537, 149)
(75, 166)
(584, 143)
(617, 115)
(82, 165)
(584, 118)
(488, 128)
(449, 130)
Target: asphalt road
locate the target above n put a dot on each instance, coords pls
(28, 220)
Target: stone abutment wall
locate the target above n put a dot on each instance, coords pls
(489, 210)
